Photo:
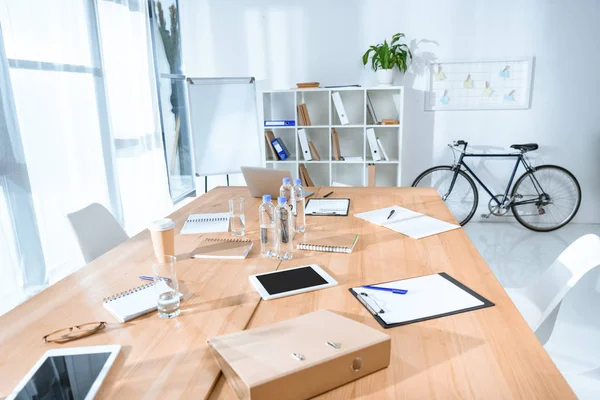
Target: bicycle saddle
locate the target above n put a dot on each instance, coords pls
(525, 147)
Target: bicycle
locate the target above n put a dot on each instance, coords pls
(543, 199)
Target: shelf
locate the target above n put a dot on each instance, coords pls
(347, 162)
(280, 127)
(314, 127)
(347, 126)
(383, 126)
(382, 162)
(281, 162)
(315, 162)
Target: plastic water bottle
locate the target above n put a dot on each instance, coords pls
(286, 190)
(298, 210)
(268, 238)
(283, 229)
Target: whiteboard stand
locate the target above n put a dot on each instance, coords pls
(224, 125)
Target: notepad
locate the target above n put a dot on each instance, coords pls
(428, 297)
(134, 302)
(327, 207)
(233, 249)
(206, 223)
(407, 222)
(331, 242)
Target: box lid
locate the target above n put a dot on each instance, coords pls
(265, 353)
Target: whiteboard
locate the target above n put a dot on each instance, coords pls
(224, 125)
(498, 84)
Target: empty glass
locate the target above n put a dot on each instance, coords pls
(166, 286)
(237, 221)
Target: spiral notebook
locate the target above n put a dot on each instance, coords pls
(328, 242)
(134, 302)
(233, 249)
(206, 223)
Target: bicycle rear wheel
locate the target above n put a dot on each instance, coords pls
(557, 198)
(463, 199)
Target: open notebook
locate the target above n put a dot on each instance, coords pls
(206, 223)
(133, 302)
(328, 241)
(407, 222)
(235, 249)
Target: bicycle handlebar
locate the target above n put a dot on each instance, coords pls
(459, 143)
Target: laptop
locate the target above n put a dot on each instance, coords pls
(266, 181)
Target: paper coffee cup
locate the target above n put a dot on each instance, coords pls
(163, 237)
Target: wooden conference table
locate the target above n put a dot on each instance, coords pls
(488, 353)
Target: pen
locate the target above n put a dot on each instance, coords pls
(149, 278)
(391, 213)
(328, 194)
(385, 289)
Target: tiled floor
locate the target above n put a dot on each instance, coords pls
(518, 256)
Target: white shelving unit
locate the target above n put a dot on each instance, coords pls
(388, 103)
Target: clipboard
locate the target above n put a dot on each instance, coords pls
(325, 212)
(377, 310)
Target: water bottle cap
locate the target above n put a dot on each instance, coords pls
(281, 200)
(297, 182)
(286, 180)
(266, 198)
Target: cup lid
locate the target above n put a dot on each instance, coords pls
(162, 225)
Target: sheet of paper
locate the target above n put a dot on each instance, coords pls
(327, 206)
(379, 216)
(427, 296)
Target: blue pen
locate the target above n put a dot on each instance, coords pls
(150, 278)
(385, 289)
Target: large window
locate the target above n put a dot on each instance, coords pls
(172, 96)
(85, 98)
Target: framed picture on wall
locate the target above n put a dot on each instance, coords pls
(494, 84)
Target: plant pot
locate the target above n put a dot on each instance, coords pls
(385, 77)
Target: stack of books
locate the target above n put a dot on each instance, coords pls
(307, 85)
(303, 114)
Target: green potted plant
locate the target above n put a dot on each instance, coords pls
(384, 57)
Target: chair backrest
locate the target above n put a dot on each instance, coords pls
(97, 231)
(570, 266)
(575, 339)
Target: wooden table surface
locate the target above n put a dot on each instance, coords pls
(488, 353)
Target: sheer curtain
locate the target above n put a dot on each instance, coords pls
(85, 100)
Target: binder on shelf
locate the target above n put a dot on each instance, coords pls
(337, 155)
(303, 115)
(385, 156)
(269, 137)
(283, 152)
(373, 144)
(371, 175)
(339, 107)
(280, 122)
(307, 178)
(371, 110)
(304, 145)
(314, 151)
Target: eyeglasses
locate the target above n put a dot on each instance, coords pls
(73, 333)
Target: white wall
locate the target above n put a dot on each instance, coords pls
(287, 41)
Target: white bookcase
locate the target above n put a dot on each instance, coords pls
(388, 103)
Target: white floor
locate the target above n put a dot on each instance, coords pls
(517, 256)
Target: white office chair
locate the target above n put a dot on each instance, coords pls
(97, 231)
(540, 301)
(574, 344)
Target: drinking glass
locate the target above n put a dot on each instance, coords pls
(166, 286)
(237, 221)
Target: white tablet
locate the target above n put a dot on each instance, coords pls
(287, 282)
(69, 373)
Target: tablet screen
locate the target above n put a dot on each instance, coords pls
(64, 377)
(291, 279)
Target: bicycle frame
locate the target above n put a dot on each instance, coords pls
(520, 159)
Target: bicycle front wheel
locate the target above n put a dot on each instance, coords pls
(462, 200)
(546, 198)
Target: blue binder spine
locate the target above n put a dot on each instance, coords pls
(280, 148)
(280, 122)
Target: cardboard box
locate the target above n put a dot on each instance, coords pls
(301, 357)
